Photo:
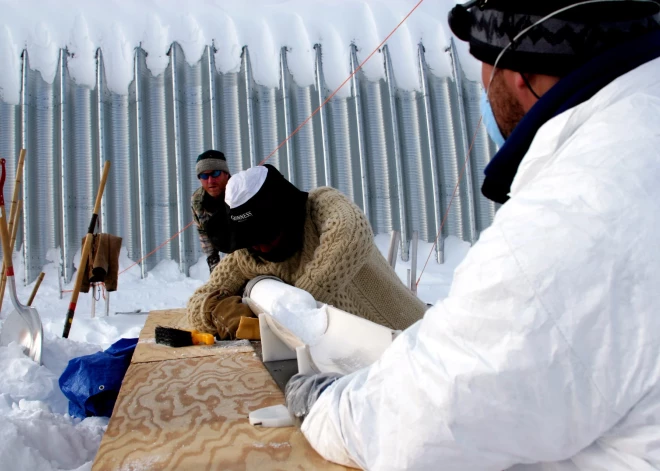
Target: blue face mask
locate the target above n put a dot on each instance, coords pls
(488, 118)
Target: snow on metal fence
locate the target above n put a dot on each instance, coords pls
(397, 153)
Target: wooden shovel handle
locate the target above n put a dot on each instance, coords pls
(36, 288)
(17, 189)
(14, 225)
(3, 176)
(6, 251)
(87, 246)
(82, 268)
(99, 194)
(85, 253)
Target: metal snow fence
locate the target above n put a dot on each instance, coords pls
(396, 153)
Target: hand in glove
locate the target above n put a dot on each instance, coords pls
(302, 391)
(226, 316)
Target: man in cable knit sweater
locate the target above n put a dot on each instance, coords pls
(320, 242)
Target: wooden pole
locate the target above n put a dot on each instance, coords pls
(85, 253)
(17, 188)
(40, 278)
(12, 211)
(14, 230)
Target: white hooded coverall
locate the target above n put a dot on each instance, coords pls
(546, 353)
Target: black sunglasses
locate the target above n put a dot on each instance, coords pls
(206, 176)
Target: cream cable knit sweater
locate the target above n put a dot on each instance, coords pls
(339, 264)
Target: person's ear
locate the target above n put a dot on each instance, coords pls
(521, 89)
(519, 82)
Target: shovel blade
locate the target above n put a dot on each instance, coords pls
(26, 330)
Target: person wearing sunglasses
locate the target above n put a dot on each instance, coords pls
(320, 242)
(208, 205)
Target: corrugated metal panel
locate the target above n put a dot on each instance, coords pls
(307, 155)
(429, 160)
(383, 200)
(116, 132)
(447, 130)
(42, 134)
(398, 154)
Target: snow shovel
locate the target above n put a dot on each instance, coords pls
(24, 324)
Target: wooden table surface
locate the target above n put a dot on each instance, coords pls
(187, 409)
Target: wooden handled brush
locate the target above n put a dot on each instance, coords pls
(182, 338)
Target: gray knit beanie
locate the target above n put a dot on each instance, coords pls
(556, 45)
(211, 160)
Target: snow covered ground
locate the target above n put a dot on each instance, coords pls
(36, 432)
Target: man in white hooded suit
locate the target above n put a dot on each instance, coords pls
(546, 353)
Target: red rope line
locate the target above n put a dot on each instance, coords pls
(451, 201)
(340, 86)
(156, 249)
(293, 133)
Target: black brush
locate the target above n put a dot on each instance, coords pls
(182, 338)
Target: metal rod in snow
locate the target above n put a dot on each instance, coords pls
(107, 304)
(288, 123)
(65, 185)
(179, 171)
(413, 263)
(394, 248)
(101, 129)
(249, 102)
(436, 182)
(320, 89)
(60, 275)
(140, 157)
(401, 191)
(210, 54)
(93, 300)
(359, 124)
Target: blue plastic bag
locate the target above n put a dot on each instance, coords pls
(91, 383)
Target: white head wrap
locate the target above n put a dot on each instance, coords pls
(244, 185)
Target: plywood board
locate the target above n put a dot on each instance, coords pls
(192, 414)
(148, 350)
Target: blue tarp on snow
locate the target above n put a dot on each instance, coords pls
(92, 382)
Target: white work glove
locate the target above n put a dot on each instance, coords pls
(302, 391)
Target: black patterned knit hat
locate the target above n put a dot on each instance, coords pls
(559, 44)
(261, 204)
(211, 160)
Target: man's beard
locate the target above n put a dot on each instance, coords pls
(507, 110)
